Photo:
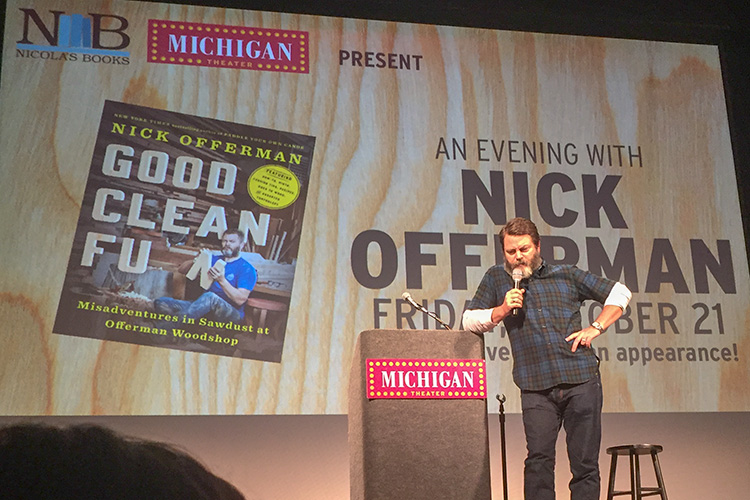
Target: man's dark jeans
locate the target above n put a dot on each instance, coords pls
(579, 409)
(208, 303)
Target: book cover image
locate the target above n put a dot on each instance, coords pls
(188, 234)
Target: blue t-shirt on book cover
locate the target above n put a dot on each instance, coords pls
(241, 274)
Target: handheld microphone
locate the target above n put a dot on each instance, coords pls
(517, 276)
(407, 297)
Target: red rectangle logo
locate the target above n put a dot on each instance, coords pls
(426, 379)
(219, 46)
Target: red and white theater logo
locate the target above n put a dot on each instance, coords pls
(219, 46)
(426, 379)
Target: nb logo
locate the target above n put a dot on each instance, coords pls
(95, 33)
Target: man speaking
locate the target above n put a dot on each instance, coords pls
(553, 364)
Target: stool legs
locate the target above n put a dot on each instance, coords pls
(637, 490)
(659, 478)
(612, 474)
(635, 476)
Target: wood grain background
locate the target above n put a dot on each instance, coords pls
(375, 167)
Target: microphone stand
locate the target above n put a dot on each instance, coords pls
(503, 457)
(435, 317)
(419, 307)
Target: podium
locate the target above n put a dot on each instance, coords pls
(415, 449)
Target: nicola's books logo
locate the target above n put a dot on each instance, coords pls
(239, 47)
(57, 35)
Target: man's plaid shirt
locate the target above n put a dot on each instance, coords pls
(551, 311)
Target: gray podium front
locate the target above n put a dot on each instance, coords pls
(414, 449)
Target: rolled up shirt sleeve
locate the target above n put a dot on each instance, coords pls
(619, 296)
(478, 320)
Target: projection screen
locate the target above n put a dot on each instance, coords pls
(364, 159)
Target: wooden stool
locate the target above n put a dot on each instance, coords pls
(265, 313)
(636, 492)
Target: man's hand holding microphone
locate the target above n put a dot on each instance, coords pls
(513, 298)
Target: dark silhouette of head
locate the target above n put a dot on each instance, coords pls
(43, 462)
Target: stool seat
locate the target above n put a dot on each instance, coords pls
(268, 305)
(634, 451)
(265, 315)
(638, 449)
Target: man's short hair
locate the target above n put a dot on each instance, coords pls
(520, 227)
(88, 461)
(237, 232)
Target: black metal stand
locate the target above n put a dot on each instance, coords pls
(503, 455)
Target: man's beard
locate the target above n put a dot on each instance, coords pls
(230, 253)
(527, 269)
